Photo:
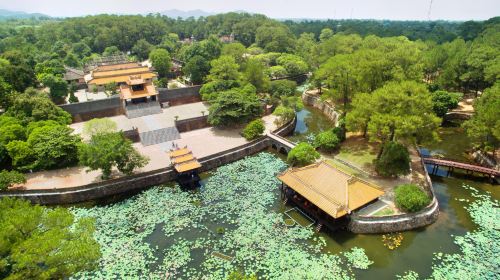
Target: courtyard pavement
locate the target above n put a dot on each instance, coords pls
(202, 142)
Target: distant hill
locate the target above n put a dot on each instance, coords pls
(185, 14)
(6, 14)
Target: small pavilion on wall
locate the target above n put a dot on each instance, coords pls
(325, 193)
(186, 167)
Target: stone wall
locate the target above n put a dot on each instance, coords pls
(179, 96)
(403, 222)
(84, 111)
(327, 109)
(192, 123)
(132, 134)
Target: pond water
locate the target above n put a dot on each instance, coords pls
(309, 121)
(237, 213)
(418, 246)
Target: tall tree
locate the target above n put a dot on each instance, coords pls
(161, 61)
(484, 126)
(44, 243)
(399, 110)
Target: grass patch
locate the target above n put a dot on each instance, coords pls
(358, 151)
(386, 211)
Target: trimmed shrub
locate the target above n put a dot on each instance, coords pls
(302, 154)
(326, 140)
(254, 129)
(9, 178)
(411, 198)
(394, 160)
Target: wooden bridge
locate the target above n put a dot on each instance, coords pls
(492, 173)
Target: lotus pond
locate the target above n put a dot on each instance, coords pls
(236, 221)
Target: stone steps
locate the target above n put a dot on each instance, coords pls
(158, 136)
(142, 109)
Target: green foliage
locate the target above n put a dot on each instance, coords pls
(30, 107)
(141, 49)
(302, 154)
(106, 150)
(234, 107)
(210, 90)
(283, 88)
(54, 146)
(254, 74)
(254, 129)
(196, 69)
(72, 98)
(397, 110)
(484, 126)
(224, 68)
(393, 161)
(9, 178)
(21, 154)
(44, 243)
(237, 275)
(275, 38)
(111, 50)
(442, 102)
(99, 126)
(111, 88)
(326, 140)
(293, 64)
(410, 198)
(236, 50)
(284, 114)
(58, 87)
(160, 59)
(478, 256)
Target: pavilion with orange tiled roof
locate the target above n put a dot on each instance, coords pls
(325, 192)
(186, 166)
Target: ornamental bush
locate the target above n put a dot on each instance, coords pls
(394, 160)
(9, 178)
(302, 154)
(254, 129)
(326, 140)
(411, 198)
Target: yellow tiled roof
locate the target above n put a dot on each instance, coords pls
(330, 189)
(119, 79)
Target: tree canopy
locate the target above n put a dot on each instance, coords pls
(42, 243)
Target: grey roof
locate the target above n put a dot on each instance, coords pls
(73, 74)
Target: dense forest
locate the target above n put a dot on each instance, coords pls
(347, 58)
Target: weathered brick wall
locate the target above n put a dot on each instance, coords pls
(179, 96)
(192, 124)
(84, 111)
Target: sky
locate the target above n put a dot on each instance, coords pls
(321, 9)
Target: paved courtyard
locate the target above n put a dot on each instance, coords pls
(156, 121)
(202, 142)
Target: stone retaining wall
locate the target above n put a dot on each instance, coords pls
(403, 222)
(327, 109)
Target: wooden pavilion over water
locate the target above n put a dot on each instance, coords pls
(326, 193)
(186, 166)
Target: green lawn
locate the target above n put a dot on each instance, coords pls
(358, 151)
(386, 211)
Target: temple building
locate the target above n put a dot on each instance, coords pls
(186, 167)
(73, 75)
(120, 74)
(325, 193)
